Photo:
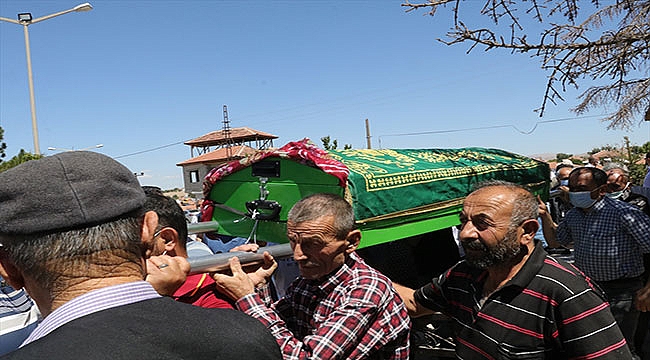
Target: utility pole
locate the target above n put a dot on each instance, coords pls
(226, 133)
(368, 134)
(627, 147)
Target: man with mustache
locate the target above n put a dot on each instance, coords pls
(339, 307)
(508, 297)
(609, 238)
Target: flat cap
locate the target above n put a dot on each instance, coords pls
(73, 189)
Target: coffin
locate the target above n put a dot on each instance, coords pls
(395, 193)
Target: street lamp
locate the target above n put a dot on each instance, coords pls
(25, 19)
(73, 149)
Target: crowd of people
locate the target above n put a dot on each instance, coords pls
(104, 260)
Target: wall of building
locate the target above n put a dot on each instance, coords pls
(193, 175)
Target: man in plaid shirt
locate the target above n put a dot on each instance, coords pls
(339, 307)
(609, 238)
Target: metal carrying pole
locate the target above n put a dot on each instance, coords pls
(219, 262)
(200, 227)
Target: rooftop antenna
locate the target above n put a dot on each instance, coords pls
(226, 133)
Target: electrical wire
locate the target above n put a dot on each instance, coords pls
(491, 127)
(409, 134)
(149, 150)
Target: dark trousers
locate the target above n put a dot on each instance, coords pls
(620, 295)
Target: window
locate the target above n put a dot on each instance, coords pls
(194, 176)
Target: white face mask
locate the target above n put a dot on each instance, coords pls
(615, 194)
(582, 199)
(618, 194)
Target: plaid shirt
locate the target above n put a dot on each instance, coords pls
(354, 313)
(609, 239)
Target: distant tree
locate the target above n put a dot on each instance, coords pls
(608, 48)
(561, 156)
(22, 157)
(602, 148)
(333, 145)
(326, 143)
(3, 146)
(638, 171)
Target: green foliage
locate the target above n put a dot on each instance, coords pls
(637, 174)
(329, 144)
(606, 148)
(22, 157)
(3, 146)
(326, 143)
(561, 156)
(638, 171)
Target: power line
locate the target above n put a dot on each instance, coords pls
(409, 134)
(149, 150)
(490, 127)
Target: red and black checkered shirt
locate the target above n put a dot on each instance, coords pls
(353, 313)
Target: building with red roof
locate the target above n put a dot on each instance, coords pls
(217, 147)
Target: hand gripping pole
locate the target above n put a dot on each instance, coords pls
(219, 262)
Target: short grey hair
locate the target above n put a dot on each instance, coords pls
(55, 259)
(316, 206)
(525, 205)
(616, 165)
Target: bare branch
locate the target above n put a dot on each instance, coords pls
(572, 52)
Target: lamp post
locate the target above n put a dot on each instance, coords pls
(25, 19)
(73, 149)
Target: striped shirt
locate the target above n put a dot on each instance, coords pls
(609, 239)
(354, 313)
(92, 302)
(548, 310)
(18, 317)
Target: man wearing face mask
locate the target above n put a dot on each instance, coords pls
(609, 238)
(560, 204)
(619, 187)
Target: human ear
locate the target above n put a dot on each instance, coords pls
(170, 237)
(530, 228)
(10, 273)
(353, 239)
(149, 225)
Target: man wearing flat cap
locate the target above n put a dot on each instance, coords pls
(73, 233)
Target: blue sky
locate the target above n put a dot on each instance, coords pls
(139, 75)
